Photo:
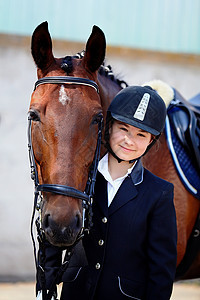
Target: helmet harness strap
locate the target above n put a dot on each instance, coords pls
(107, 145)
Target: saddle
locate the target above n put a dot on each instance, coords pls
(183, 132)
(184, 117)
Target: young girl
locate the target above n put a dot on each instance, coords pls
(130, 252)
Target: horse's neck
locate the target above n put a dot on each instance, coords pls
(158, 160)
(108, 89)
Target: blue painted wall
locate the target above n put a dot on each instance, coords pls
(160, 25)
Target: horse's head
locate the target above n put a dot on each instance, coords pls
(64, 129)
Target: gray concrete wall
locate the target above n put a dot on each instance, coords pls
(17, 77)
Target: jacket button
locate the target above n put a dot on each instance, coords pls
(101, 242)
(97, 266)
(104, 220)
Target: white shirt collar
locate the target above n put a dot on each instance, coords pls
(103, 169)
(112, 185)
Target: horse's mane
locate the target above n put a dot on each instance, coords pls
(106, 71)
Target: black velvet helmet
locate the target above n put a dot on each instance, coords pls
(140, 107)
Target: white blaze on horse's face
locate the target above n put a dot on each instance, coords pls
(63, 98)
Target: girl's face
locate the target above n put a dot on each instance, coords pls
(128, 142)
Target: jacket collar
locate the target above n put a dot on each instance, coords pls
(137, 173)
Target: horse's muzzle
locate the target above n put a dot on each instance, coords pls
(62, 235)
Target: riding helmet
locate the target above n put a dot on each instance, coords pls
(139, 106)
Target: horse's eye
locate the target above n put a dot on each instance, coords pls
(33, 115)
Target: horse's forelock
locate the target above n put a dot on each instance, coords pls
(67, 64)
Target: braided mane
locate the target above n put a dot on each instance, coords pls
(106, 71)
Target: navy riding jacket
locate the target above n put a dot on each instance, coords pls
(130, 252)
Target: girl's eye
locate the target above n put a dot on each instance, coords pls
(124, 129)
(142, 135)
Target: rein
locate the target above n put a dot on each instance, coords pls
(86, 196)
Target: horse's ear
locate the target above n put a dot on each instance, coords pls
(41, 47)
(95, 50)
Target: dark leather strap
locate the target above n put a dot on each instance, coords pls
(62, 190)
(66, 80)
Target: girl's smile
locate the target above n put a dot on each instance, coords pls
(128, 142)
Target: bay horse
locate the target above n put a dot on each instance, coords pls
(68, 100)
(64, 117)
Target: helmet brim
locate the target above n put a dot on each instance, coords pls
(135, 123)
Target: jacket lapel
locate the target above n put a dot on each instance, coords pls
(126, 192)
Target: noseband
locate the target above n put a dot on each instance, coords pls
(87, 195)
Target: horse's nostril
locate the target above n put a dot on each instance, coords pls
(46, 221)
(78, 221)
(47, 226)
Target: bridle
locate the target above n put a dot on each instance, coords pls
(67, 80)
(87, 195)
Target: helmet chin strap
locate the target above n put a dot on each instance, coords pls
(107, 145)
